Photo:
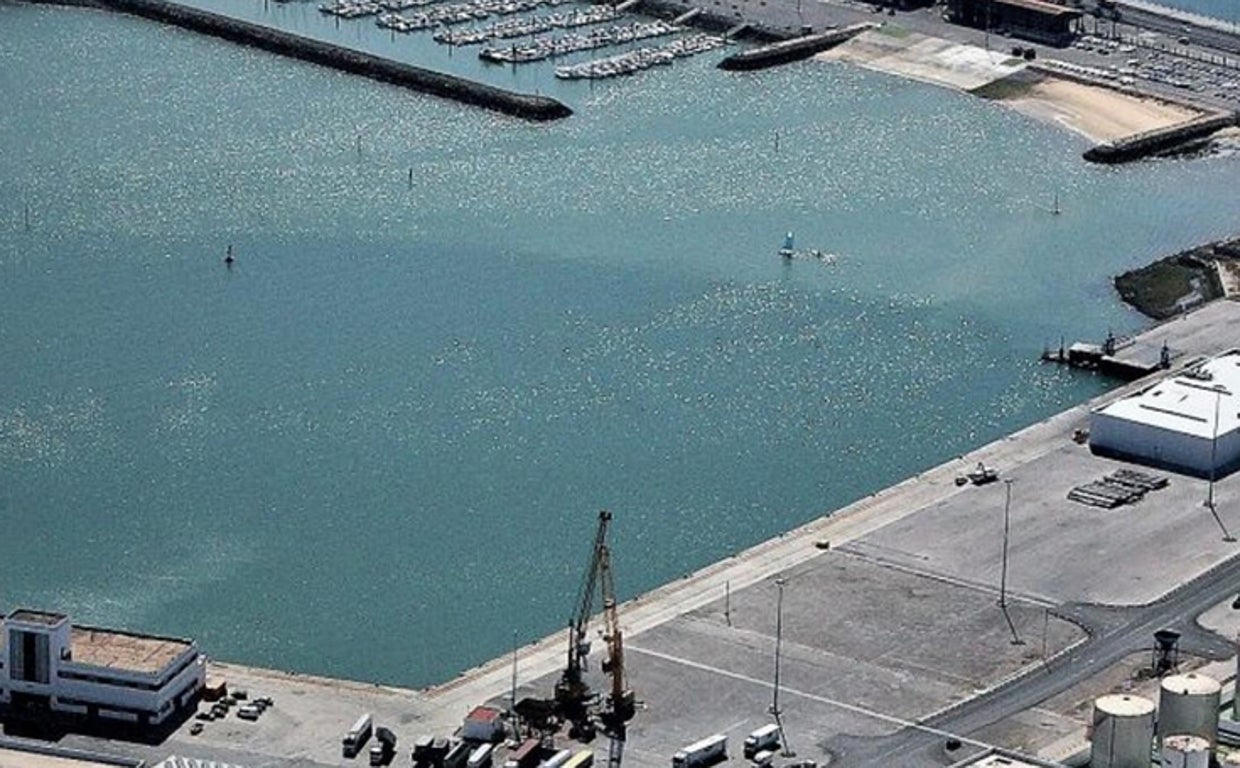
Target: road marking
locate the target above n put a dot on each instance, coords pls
(853, 708)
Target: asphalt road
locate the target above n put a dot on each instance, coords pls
(1215, 39)
(1114, 634)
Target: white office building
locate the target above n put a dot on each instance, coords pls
(48, 665)
(1189, 422)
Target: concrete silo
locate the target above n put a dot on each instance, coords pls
(1189, 704)
(1123, 732)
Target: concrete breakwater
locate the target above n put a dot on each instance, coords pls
(794, 49)
(1161, 140)
(528, 107)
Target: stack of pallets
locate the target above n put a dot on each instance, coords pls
(1124, 486)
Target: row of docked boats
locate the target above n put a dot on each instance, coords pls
(508, 29)
(641, 59)
(459, 13)
(546, 47)
(351, 9)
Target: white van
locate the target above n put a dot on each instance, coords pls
(765, 738)
(764, 758)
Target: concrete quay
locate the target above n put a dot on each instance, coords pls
(793, 49)
(892, 636)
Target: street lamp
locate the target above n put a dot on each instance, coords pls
(775, 711)
(1007, 506)
(1218, 396)
(1209, 503)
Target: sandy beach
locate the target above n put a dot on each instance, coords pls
(1099, 113)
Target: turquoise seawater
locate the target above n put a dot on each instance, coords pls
(1227, 10)
(376, 447)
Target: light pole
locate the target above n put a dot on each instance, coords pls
(776, 712)
(1007, 506)
(1218, 396)
(512, 703)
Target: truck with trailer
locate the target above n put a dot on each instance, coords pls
(525, 755)
(458, 755)
(481, 756)
(384, 748)
(583, 759)
(557, 760)
(764, 739)
(707, 751)
(357, 736)
(430, 751)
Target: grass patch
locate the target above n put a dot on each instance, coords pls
(1154, 290)
(1004, 88)
(891, 30)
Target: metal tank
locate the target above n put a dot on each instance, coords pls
(1188, 704)
(1184, 750)
(1123, 732)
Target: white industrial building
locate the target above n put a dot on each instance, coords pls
(48, 665)
(1189, 422)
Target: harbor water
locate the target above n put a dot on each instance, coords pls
(375, 447)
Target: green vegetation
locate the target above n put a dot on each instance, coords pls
(891, 30)
(1013, 86)
(1157, 289)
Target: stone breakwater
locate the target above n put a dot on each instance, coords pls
(794, 49)
(1161, 140)
(525, 106)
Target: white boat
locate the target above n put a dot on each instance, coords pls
(788, 251)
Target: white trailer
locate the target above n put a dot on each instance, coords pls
(700, 753)
(357, 736)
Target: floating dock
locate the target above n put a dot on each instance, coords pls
(525, 106)
(1125, 359)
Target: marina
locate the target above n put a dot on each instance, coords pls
(460, 13)
(512, 28)
(641, 59)
(546, 48)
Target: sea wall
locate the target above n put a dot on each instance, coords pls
(794, 49)
(521, 105)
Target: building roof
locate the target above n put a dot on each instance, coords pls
(127, 651)
(30, 616)
(1041, 6)
(1186, 403)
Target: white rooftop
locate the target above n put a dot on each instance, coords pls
(1186, 403)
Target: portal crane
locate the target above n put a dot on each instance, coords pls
(572, 692)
